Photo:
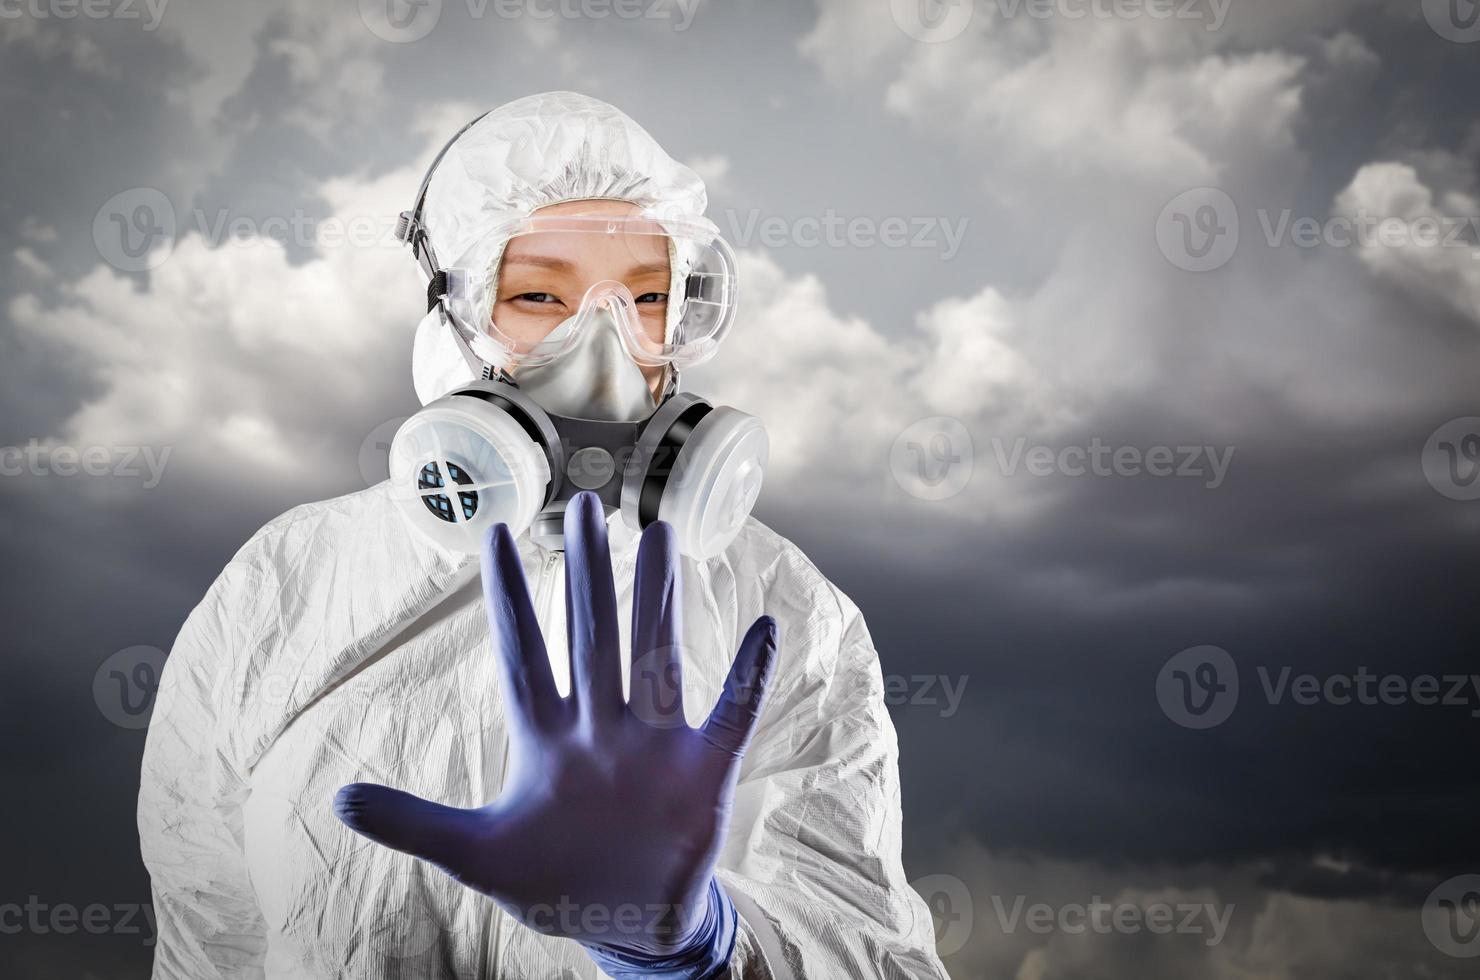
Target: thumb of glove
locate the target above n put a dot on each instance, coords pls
(404, 822)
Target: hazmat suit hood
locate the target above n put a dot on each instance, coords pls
(531, 153)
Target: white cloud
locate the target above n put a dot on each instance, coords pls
(244, 363)
(1432, 250)
(31, 263)
(1102, 99)
(836, 393)
(333, 60)
(1345, 50)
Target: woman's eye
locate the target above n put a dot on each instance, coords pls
(652, 298)
(537, 297)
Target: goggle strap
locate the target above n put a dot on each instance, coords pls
(436, 289)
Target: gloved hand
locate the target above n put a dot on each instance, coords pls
(612, 813)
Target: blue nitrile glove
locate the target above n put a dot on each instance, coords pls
(612, 813)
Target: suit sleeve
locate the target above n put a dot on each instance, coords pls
(812, 860)
(191, 791)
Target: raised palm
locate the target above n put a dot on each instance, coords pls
(613, 812)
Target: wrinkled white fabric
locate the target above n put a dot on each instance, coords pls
(338, 647)
(437, 366)
(541, 150)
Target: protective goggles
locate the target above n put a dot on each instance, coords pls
(526, 290)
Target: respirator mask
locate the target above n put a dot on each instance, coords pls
(576, 387)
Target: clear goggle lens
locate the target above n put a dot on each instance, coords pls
(669, 283)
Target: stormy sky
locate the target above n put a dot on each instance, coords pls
(1121, 360)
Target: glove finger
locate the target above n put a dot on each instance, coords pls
(734, 717)
(655, 682)
(403, 822)
(591, 611)
(519, 647)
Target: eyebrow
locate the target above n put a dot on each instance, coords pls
(543, 261)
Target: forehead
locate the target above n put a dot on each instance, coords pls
(599, 206)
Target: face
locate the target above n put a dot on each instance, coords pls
(544, 275)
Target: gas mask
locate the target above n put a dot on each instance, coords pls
(557, 406)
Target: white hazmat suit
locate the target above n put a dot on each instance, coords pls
(340, 646)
